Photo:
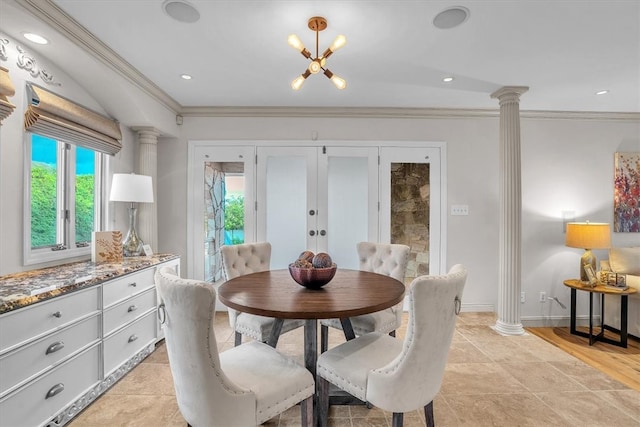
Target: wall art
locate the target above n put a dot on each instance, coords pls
(626, 193)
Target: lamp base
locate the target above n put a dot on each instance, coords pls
(588, 258)
(132, 244)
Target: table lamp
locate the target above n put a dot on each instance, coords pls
(134, 189)
(588, 235)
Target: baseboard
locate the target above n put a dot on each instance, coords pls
(556, 321)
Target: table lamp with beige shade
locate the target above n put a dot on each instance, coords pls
(132, 188)
(588, 235)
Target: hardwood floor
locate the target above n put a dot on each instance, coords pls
(622, 364)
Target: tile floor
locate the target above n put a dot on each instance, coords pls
(490, 380)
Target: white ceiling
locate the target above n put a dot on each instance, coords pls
(237, 53)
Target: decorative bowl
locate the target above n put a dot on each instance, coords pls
(312, 278)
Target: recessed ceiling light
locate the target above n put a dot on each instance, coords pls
(602, 92)
(185, 76)
(35, 38)
(447, 79)
(181, 10)
(451, 17)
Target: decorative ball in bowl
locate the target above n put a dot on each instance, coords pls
(312, 278)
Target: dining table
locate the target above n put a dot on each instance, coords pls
(275, 294)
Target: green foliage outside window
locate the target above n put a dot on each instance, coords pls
(234, 216)
(43, 206)
(84, 207)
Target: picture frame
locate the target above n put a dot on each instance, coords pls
(591, 275)
(147, 250)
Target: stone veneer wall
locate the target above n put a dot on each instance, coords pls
(410, 190)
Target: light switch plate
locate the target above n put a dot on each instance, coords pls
(459, 209)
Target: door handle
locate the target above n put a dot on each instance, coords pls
(312, 232)
(323, 233)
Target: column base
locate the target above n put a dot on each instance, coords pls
(508, 329)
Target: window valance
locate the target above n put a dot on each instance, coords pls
(6, 90)
(53, 116)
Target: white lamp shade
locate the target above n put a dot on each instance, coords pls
(129, 187)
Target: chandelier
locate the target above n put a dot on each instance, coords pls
(317, 24)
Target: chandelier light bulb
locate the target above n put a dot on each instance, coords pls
(296, 84)
(338, 42)
(339, 82)
(295, 42)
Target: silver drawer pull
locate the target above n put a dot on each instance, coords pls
(133, 284)
(56, 346)
(132, 308)
(55, 390)
(133, 337)
(57, 314)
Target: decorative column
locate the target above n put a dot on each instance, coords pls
(509, 285)
(148, 165)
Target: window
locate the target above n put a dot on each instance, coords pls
(63, 201)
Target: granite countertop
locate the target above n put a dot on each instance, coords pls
(29, 287)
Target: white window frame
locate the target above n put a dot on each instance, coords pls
(66, 196)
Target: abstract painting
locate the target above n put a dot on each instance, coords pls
(626, 193)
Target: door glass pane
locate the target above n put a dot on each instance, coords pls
(410, 191)
(286, 210)
(224, 192)
(44, 191)
(347, 193)
(85, 194)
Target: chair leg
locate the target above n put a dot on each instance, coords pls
(428, 414)
(306, 409)
(397, 419)
(392, 334)
(322, 387)
(324, 338)
(238, 339)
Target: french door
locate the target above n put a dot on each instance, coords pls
(318, 198)
(322, 199)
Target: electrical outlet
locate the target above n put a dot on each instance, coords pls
(543, 297)
(459, 209)
(522, 297)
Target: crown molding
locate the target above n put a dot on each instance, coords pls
(399, 113)
(52, 15)
(335, 112)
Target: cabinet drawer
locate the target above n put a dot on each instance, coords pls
(120, 346)
(30, 406)
(31, 322)
(131, 284)
(126, 311)
(22, 364)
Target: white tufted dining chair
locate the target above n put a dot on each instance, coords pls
(246, 258)
(382, 258)
(399, 375)
(244, 386)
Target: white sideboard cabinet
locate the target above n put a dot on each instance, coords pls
(68, 333)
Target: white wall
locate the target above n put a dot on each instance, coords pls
(566, 165)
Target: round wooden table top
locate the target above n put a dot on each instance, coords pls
(599, 288)
(275, 294)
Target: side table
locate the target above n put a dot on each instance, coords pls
(577, 285)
